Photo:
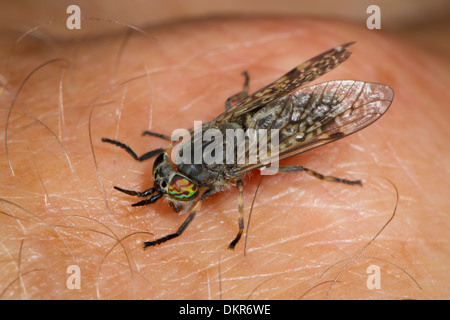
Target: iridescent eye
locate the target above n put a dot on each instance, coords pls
(182, 189)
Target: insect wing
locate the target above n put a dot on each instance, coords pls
(297, 77)
(319, 114)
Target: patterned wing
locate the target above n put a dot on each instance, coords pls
(297, 77)
(318, 114)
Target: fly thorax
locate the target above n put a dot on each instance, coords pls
(202, 157)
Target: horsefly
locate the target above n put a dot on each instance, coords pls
(278, 121)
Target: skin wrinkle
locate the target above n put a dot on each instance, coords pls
(173, 261)
(419, 188)
(403, 167)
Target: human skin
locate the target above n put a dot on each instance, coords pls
(60, 209)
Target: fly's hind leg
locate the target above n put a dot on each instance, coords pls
(239, 96)
(319, 175)
(233, 243)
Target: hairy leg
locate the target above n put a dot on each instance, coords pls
(58, 215)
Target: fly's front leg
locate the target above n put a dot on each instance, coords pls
(149, 192)
(233, 243)
(180, 230)
(185, 224)
(239, 96)
(130, 151)
(157, 135)
(145, 193)
(319, 175)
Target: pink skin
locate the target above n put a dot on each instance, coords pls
(59, 215)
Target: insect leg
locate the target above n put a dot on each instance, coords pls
(241, 215)
(240, 95)
(319, 175)
(186, 222)
(145, 156)
(180, 230)
(155, 134)
(145, 193)
(145, 202)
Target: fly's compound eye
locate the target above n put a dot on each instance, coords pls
(182, 189)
